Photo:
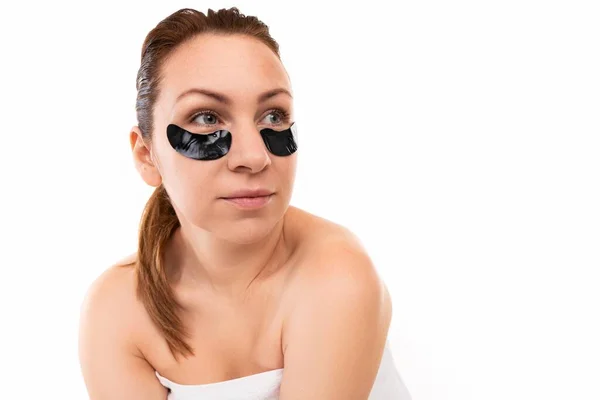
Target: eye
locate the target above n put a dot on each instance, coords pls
(280, 117)
(210, 118)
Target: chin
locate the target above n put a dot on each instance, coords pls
(242, 226)
(246, 230)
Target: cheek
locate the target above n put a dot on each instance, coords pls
(191, 186)
(286, 168)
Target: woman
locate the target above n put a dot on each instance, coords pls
(232, 293)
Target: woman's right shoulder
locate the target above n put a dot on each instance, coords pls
(111, 323)
(116, 280)
(113, 293)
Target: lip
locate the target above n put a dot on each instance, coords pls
(249, 203)
(249, 193)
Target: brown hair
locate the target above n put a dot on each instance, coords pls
(159, 220)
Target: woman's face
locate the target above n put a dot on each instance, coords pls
(239, 69)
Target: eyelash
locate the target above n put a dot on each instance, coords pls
(284, 115)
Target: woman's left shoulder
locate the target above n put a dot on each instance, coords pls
(319, 237)
(335, 286)
(334, 260)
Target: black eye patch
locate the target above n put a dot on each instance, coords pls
(212, 146)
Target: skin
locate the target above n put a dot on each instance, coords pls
(262, 289)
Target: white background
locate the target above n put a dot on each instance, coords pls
(459, 140)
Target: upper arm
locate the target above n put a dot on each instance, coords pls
(112, 367)
(336, 333)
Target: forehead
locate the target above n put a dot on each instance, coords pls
(233, 64)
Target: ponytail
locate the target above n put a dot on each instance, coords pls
(158, 223)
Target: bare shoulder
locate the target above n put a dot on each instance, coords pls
(336, 324)
(114, 282)
(314, 231)
(328, 249)
(112, 294)
(334, 264)
(109, 330)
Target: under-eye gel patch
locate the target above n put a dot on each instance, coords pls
(281, 143)
(211, 146)
(197, 146)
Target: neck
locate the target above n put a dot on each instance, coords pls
(224, 268)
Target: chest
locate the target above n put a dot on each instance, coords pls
(229, 341)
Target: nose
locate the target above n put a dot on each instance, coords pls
(248, 150)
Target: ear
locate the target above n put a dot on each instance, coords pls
(142, 158)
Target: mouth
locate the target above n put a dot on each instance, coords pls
(249, 202)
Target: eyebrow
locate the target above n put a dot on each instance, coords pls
(220, 97)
